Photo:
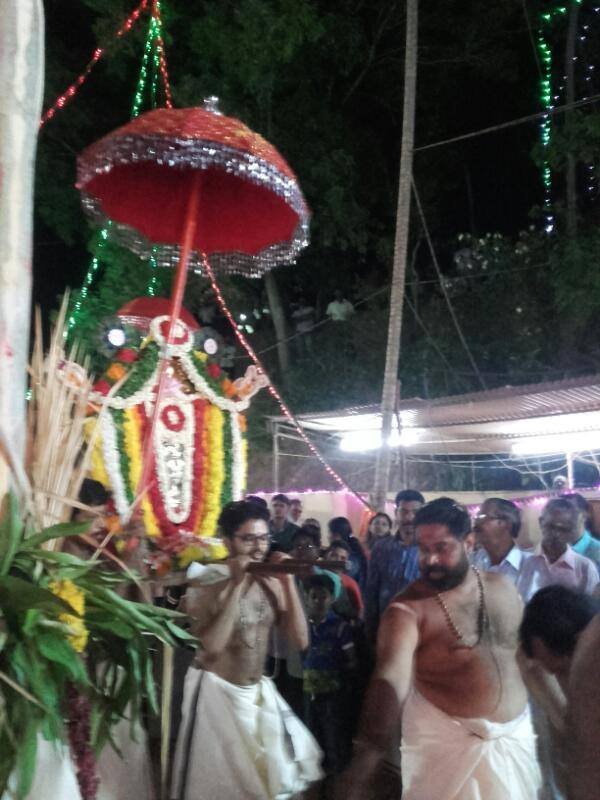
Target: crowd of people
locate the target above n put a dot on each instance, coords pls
(318, 653)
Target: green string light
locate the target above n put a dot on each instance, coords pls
(545, 54)
(547, 101)
(155, 25)
(143, 78)
(153, 284)
(151, 50)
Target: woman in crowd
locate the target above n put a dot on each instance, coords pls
(380, 526)
(341, 530)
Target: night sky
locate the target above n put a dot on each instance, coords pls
(484, 184)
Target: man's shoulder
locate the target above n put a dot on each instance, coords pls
(532, 560)
(416, 592)
(585, 562)
(494, 579)
(592, 550)
(500, 587)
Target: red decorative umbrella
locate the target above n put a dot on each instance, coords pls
(185, 184)
(251, 214)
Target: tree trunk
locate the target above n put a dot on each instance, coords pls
(390, 379)
(571, 177)
(278, 317)
(21, 88)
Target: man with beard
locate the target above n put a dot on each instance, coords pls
(446, 664)
(394, 561)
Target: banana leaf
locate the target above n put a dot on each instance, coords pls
(11, 533)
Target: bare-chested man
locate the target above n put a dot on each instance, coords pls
(239, 740)
(446, 663)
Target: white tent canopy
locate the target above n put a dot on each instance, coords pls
(553, 417)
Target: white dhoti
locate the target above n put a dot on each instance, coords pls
(450, 758)
(240, 743)
(128, 775)
(54, 776)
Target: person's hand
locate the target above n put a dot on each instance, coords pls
(238, 569)
(277, 556)
(530, 668)
(133, 534)
(299, 572)
(283, 577)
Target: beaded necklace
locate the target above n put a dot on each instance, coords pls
(482, 616)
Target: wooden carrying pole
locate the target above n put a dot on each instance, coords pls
(390, 380)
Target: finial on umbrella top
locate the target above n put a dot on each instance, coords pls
(212, 104)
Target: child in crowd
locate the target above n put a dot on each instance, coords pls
(339, 551)
(328, 668)
(341, 530)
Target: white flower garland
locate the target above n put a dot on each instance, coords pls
(181, 329)
(112, 463)
(201, 386)
(165, 438)
(237, 458)
(143, 395)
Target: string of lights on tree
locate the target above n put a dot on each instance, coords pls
(552, 93)
(70, 92)
(153, 63)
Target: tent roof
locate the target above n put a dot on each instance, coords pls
(480, 423)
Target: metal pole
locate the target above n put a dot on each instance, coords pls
(570, 471)
(276, 457)
(389, 395)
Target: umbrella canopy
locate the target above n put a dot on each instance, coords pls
(140, 312)
(251, 214)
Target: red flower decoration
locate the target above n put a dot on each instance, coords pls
(102, 387)
(172, 418)
(126, 355)
(182, 339)
(214, 370)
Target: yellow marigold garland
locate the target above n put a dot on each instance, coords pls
(215, 472)
(75, 597)
(97, 469)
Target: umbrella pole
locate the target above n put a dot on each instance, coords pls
(179, 281)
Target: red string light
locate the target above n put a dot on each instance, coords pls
(272, 390)
(162, 60)
(69, 93)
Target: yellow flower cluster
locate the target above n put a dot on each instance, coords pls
(74, 596)
(97, 469)
(214, 471)
(134, 450)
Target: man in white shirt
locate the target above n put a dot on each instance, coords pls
(496, 527)
(340, 309)
(554, 561)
